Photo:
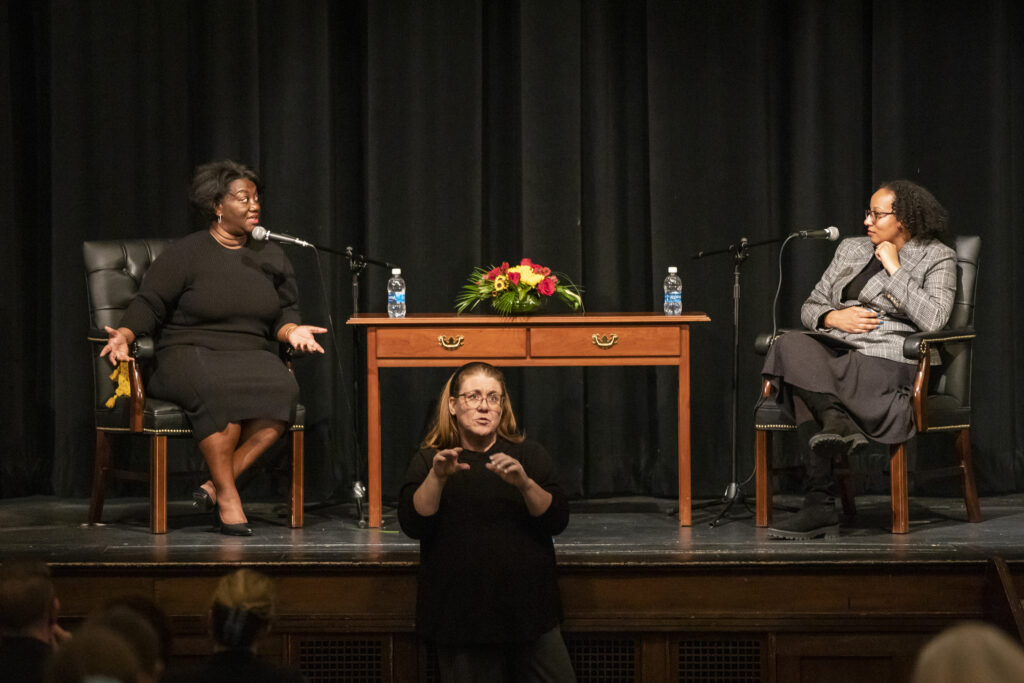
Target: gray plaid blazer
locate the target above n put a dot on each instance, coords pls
(917, 298)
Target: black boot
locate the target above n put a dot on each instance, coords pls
(839, 436)
(817, 517)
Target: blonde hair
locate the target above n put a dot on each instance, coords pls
(969, 652)
(242, 607)
(444, 432)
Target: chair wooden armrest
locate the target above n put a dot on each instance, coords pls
(916, 345)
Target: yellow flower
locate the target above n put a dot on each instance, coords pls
(500, 283)
(526, 275)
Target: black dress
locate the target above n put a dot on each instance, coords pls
(215, 313)
(487, 567)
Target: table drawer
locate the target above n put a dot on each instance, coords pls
(451, 342)
(612, 341)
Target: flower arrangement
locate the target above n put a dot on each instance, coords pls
(517, 289)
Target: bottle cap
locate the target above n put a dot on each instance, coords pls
(672, 269)
(396, 271)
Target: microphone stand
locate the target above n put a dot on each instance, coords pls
(734, 491)
(356, 265)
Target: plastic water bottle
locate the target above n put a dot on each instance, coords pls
(396, 294)
(673, 293)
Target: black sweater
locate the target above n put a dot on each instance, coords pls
(487, 567)
(201, 293)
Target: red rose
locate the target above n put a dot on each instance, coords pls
(504, 266)
(526, 262)
(513, 277)
(494, 272)
(546, 286)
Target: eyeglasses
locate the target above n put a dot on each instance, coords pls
(474, 398)
(875, 215)
(244, 198)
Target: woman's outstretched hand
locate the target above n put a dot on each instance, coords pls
(116, 349)
(301, 337)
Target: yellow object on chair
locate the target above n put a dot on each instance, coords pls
(120, 374)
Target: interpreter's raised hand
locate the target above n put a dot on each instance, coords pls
(116, 348)
(446, 463)
(855, 319)
(509, 469)
(889, 255)
(301, 337)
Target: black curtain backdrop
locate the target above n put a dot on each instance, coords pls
(608, 140)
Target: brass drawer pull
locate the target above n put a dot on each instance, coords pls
(604, 341)
(451, 343)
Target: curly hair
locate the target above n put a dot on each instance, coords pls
(917, 209)
(211, 182)
(444, 432)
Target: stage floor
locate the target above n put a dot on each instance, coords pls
(614, 532)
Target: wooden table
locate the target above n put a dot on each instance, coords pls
(609, 339)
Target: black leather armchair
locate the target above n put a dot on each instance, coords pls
(114, 271)
(942, 402)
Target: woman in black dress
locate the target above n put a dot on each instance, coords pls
(484, 503)
(213, 301)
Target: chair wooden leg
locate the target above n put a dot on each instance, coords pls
(297, 498)
(963, 450)
(842, 475)
(900, 488)
(158, 485)
(763, 477)
(100, 467)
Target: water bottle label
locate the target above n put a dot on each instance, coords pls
(396, 298)
(673, 297)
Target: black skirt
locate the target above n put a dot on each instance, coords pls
(877, 392)
(218, 387)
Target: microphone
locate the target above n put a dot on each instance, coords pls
(262, 234)
(830, 233)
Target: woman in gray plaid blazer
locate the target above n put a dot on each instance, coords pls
(846, 378)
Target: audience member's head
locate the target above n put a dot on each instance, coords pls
(28, 603)
(138, 633)
(95, 653)
(154, 616)
(242, 608)
(972, 652)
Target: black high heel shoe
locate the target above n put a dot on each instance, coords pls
(240, 529)
(201, 499)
